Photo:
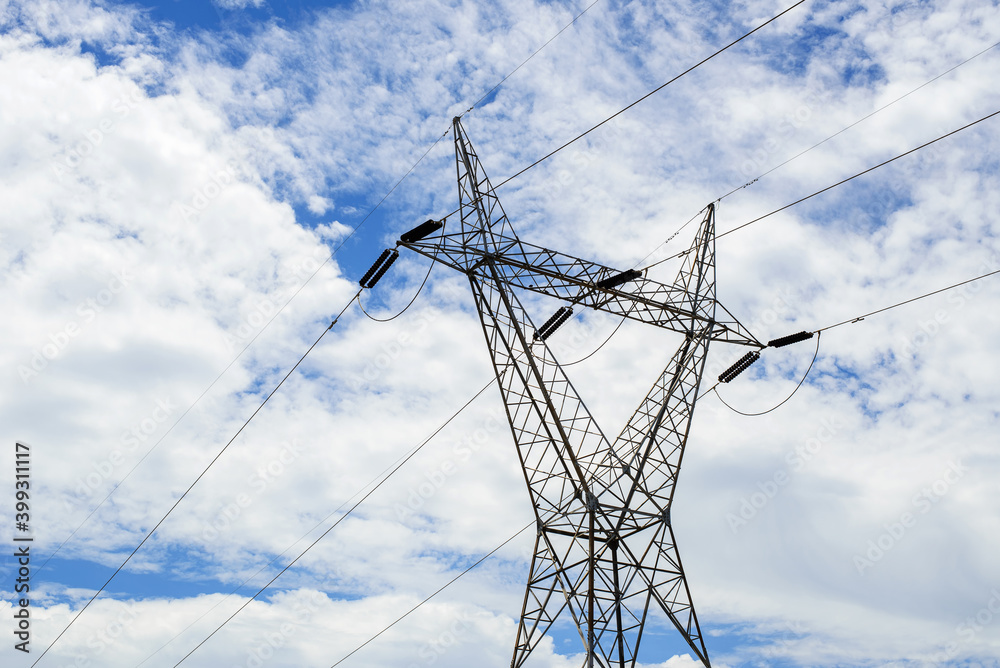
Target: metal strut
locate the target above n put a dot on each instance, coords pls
(604, 547)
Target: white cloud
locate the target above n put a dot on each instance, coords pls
(150, 231)
(238, 4)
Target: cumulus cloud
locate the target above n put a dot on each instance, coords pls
(168, 193)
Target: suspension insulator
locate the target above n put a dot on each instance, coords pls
(378, 263)
(618, 279)
(553, 323)
(422, 230)
(790, 339)
(384, 268)
(741, 365)
(380, 267)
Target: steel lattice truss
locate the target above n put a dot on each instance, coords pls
(604, 550)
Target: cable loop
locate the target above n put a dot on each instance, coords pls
(806, 375)
(419, 290)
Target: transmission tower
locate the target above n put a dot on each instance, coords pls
(604, 549)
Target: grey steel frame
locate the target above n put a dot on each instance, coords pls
(604, 547)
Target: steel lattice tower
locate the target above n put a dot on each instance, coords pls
(604, 548)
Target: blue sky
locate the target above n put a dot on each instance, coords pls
(208, 16)
(174, 173)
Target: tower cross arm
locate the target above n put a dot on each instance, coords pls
(581, 282)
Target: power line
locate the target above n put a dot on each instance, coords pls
(419, 289)
(405, 308)
(598, 348)
(803, 152)
(838, 183)
(200, 476)
(339, 520)
(860, 120)
(164, 435)
(851, 178)
(425, 279)
(713, 389)
(710, 390)
(407, 457)
(785, 400)
(353, 231)
(408, 172)
(644, 97)
(929, 294)
(525, 61)
(448, 584)
(649, 94)
(859, 318)
(373, 481)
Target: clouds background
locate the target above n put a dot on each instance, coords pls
(173, 176)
